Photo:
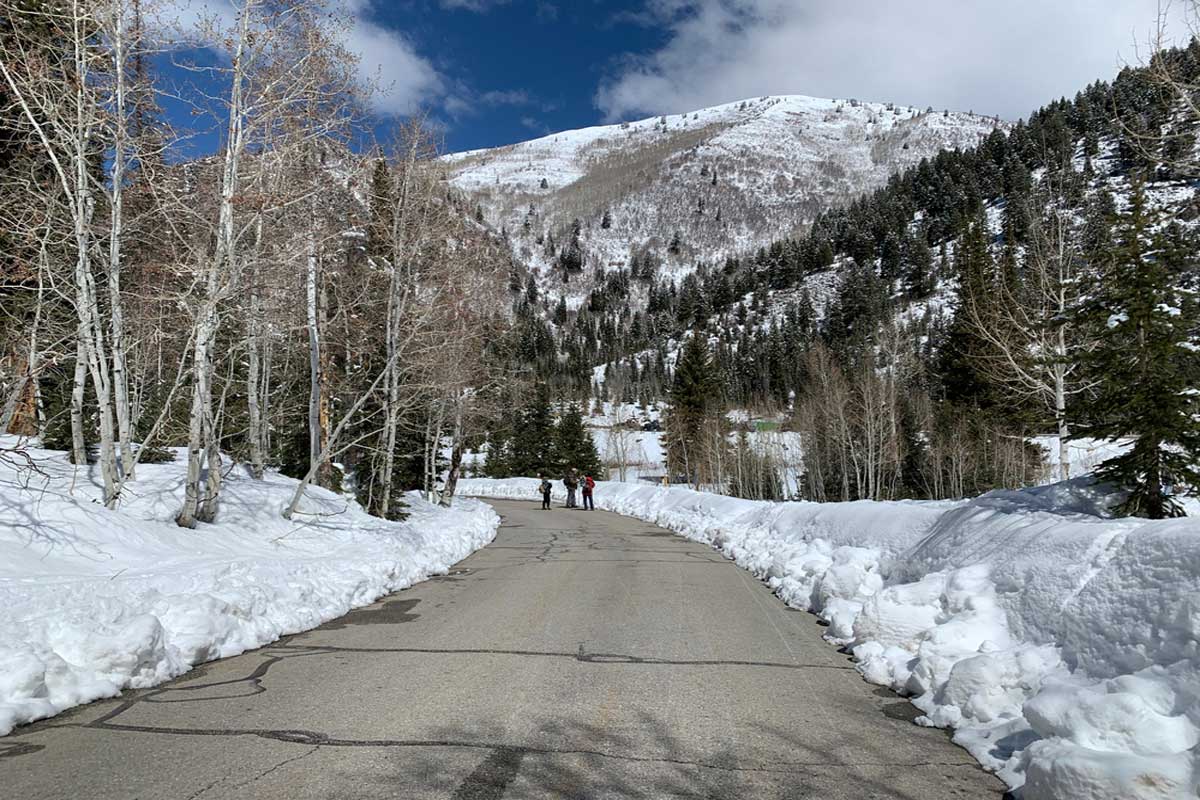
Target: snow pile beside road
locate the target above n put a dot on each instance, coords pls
(1061, 645)
(97, 601)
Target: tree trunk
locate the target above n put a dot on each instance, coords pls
(316, 403)
(116, 232)
(78, 385)
(253, 379)
(456, 455)
(189, 514)
(1060, 412)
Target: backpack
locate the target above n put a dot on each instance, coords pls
(545, 487)
(591, 484)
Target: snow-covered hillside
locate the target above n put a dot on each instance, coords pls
(728, 179)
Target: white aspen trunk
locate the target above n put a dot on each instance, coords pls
(456, 454)
(254, 366)
(189, 514)
(82, 206)
(210, 505)
(392, 405)
(433, 450)
(1064, 429)
(253, 379)
(311, 280)
(91, 327)
(396, 307)
(78, 385)
(202, 446)
(264, 395)
(116, 232)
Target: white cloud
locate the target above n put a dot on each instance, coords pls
(511, 97)
(406, 79)
(388, 60)
(1005, 57)
(472, 5)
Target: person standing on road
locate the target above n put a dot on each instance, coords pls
(589, 486)
(571, 482)
(545, 489)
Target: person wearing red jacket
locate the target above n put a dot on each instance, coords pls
(589, 486)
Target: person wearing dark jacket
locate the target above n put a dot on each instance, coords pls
(589, 486)
(571, 483)
(545, 490)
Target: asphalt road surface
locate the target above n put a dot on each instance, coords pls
(581, 655)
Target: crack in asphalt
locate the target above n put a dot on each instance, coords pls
(584, 657)
(14, 749)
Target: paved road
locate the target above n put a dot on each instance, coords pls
(581, 655)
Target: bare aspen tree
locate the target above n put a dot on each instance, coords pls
(115, 24)
(1034, 349)
(473, 312)
(409, 218)
(287, 76)
(215, 277)
(66, 125)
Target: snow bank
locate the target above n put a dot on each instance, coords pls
(1061, 645)
(97, 601)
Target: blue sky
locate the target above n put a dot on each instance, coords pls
(519, 70)
(492, 72)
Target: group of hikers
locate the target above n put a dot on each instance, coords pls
(571, 482)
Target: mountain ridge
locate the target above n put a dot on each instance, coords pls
(705, 185)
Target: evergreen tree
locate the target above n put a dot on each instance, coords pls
(676, 245)
(571, 258)
(573, 444)
(379, 229)
(694, 410)
(1147, 365)
(532, 449)
(963, 350)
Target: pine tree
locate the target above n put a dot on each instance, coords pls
(694, 410)
(379, 229)
(963, 350)
(1147, 365)
(676, 245)
(573, 444)
(532, 450)
(571, 258)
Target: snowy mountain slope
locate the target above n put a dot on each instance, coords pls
(728, 179)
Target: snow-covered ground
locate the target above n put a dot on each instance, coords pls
(1062, 646)
(645, 452)
(97, 601)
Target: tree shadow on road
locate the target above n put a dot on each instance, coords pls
(582, 761)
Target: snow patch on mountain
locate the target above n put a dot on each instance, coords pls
(728, 179)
